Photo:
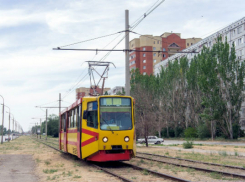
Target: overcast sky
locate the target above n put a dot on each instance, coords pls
(33, 74)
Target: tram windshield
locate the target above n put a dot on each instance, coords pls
(115, 113)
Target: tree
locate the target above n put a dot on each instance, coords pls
(231, 76)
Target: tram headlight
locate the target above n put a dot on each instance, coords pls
(126, 139)
(105, 139)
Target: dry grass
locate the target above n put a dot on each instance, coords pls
(52, 165)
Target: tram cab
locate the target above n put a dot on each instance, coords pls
(99, 128)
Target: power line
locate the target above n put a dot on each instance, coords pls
(149, 11)
(90, 39)
(146, 14)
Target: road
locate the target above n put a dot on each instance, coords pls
(173, 142)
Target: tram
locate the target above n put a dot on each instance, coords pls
(99, 128)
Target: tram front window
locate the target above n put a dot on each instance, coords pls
(115, 113)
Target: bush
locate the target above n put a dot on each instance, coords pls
(203, 131)
(190, 133)
(187, 145)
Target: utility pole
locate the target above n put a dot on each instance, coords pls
(9, 126)
(127, 71)
(40, 127)
(59, 111)
(2, 121)
(46, 123)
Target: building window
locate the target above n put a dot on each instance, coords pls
(143, 55)
(143, 48)
(163, 55)
(191, 43)
(163, 49)
(144, 73)
(144, 67)
(154, 54)
(158, 42)
(154, 61)
(239, 30)
(239, 41)
(187, 44)
(153, 42)
(234, 32)
(154, 48)
(144, 61)
(132, 45)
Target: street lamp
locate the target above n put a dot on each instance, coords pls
(2, 120)
(9, 122)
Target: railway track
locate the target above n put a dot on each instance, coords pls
(118, 169)
(205, 166)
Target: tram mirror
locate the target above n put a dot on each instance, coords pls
(85, 114)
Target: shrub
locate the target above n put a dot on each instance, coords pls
(188, 145)
(203, 131)
(190, 133)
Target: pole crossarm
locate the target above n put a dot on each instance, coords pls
(124, 50)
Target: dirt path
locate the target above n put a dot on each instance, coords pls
(51, 165)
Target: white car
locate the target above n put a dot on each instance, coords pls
(151, 139)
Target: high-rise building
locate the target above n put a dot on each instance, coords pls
(145, 61)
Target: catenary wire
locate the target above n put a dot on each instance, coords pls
(149, 11)
(90, 39)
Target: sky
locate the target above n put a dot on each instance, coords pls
(33, 74)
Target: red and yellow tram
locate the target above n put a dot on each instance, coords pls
(99, 128)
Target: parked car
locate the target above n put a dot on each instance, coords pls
(151, 139)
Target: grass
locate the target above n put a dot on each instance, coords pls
(145, 172)
(38, 160)
(50, 171)
(76, 176)
(215, 175)
(47, 162)
(236, 153)
(223, 153)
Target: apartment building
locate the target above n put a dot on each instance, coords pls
(83, 91)
(170, 43)
(235, 33)
(115, 90)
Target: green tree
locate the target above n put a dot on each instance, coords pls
(231, 76)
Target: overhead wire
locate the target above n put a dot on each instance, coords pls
(71, 89)
(89, 39)
(135, 24)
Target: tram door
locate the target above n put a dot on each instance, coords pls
(63, 132)
(90, 132)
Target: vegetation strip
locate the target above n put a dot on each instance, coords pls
(197, 168)
(157, 173)
(189, 160)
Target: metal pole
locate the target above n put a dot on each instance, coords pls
(127, 71)
(59, 112)
(2, 121)
(36, 129)
(40, 127)
(9, 126)
(46, 123)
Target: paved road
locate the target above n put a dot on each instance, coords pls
(15, 168)
(171, 142)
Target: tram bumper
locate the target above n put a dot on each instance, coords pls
(111, 155)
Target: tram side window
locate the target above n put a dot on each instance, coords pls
(92, 117)
(75, 117)
(63, 121)
(71, 119)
